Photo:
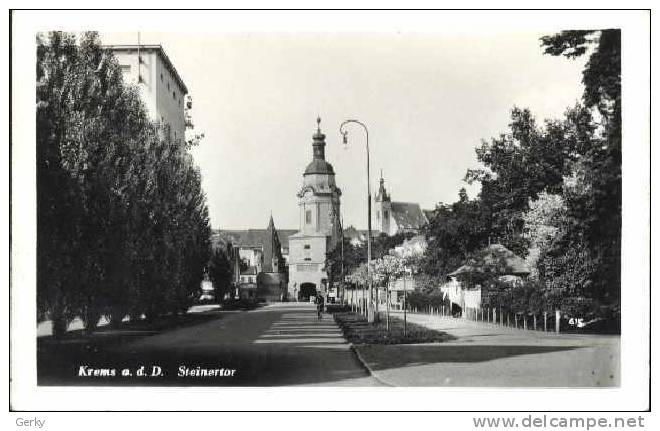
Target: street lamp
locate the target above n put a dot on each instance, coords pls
(370, 306)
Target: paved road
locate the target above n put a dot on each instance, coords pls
(279, 344)
(491, 355)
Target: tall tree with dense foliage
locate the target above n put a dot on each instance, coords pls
(220, 273)
(122, 224)
(591, 232)
(453, 233)
(553, 190)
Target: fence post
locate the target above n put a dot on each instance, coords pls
(557, 320)
(545, 321)
(535, 322)
(525, 322)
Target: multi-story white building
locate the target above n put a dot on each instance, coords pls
(162, 89)
(320, 226)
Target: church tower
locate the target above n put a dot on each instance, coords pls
(319, 229)
(383, 208)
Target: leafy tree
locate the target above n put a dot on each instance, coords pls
(122, 224)
(591, 231)
(454, 232)
(542, 220)
(220, 273)
(355, 255)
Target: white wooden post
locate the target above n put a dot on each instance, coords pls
(545, 321)
(557, 320)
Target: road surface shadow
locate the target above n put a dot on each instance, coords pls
(264, 348)
(59, 357)
(396, 356)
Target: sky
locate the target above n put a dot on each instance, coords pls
(428, 101)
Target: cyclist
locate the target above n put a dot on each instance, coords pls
(319, 305)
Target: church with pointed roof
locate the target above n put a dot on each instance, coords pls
(259, 264)
(319, 225)
(392, 217)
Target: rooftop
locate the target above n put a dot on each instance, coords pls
(495, 258)
(159, 49)
(408, 215)
(250, 238)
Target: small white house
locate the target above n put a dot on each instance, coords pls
(493, 259)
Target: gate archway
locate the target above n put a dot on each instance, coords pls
(307, 290)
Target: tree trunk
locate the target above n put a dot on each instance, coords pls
(90, 319)
(59, 321)
(387, 304)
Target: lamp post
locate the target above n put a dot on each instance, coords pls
(342, 286)
(370, 306)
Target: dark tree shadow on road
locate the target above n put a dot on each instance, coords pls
(396, 356)
(274, 355)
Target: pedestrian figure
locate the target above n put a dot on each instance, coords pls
(319, 305)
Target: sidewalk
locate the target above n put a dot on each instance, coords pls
(485, 354)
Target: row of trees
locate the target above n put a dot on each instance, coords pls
(122, 223)
(550, 193)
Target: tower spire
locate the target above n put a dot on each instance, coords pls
(382, 195)
(318, 144)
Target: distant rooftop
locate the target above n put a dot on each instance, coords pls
(159, 49)
(408, 215)
(252, 238)
(495, 258)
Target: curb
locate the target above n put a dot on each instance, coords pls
(366, 366)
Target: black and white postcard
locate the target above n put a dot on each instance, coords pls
(319, 205)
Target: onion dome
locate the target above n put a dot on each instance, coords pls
(319, 165)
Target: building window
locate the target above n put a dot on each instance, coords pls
(308, 217)
(126, 68)
(385, 215)
(307, 247)
(174, 95)
(307, 259)
(168, 86)
(161, 77)
(377, 215)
